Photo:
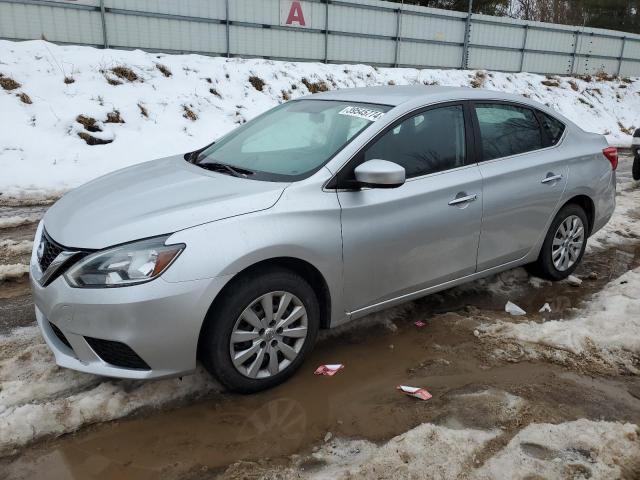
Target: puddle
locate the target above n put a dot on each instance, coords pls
(360, 401)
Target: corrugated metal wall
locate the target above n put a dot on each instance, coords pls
(346, 31)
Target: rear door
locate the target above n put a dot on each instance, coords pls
(425, 232)
(524, 175)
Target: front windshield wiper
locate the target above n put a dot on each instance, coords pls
(228, 169)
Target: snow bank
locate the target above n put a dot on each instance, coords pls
(203, 98)
(12, 246)
(16, 220)
(579, 449)
(427, 452)
(606, 333)
(13, 271)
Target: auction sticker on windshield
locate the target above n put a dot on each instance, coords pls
(360, 112)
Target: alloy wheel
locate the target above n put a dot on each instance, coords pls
(567, 243)
(268, 335)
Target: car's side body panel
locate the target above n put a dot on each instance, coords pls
(400, 240)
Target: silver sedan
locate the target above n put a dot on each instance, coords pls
(319, 211)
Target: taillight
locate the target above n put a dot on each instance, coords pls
(612, 155)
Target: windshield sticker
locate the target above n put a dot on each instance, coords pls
(366, 113)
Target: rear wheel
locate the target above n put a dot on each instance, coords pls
(564, 244)
(261, 331)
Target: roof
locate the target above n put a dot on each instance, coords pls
(396, 95)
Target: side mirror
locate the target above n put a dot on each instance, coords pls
(380, 174)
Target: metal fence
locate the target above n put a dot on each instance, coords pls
(335, 31)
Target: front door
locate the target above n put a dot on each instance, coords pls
(426, 232)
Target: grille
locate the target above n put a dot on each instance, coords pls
(50, 252)
(117, 354)
(60, 335)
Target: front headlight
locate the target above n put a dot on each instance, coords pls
(128, 264)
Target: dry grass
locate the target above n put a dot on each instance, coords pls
(550, 83)
(143, 110)
(114, 117)
(626, 80)
(69, 80)
(623, 129)
(8, 83)
(285, 95)
(605, 77)
(91, 140)
(391, 82)
(573, 85)
(582, 100)
(257, 82)
(189, 114)
(586, 78)
(213, 91)
(125, 73)
(315, 87)
(478, 79)
(89, 123)
(595, 90)
(163, 69)
(24, 98)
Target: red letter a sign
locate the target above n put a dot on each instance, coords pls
(295, 14)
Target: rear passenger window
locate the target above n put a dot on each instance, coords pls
(552, 127)
(507, 130)
(430, 142)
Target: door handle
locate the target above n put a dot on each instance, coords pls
(551, 178)
(465, 199)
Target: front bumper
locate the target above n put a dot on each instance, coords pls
(159, 320)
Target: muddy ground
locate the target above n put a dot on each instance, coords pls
(232, 436)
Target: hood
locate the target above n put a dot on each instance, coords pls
(152, 198)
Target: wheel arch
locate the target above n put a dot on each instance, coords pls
(302, 267)
(587, 204)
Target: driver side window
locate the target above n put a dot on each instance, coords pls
(429, 142)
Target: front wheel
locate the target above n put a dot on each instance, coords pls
(261, 331)
(564, 244)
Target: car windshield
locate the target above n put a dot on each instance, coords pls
(291, 141)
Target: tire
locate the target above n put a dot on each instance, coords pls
(545, 266)
(636, 168)
(240, 312)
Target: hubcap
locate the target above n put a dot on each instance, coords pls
(567, 243)
(268, 335)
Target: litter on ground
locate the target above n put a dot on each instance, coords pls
(573, 280)
(416, 392)
(545, 308)
(419, 324)
(514, 309)
(328, 370)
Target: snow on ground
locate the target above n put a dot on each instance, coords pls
(37, 398)
(624, 225)
(199, 98)
(13, 271)
(605, 334)
(427, 451)
(16, 247)
(578, 449)
(17, 220)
